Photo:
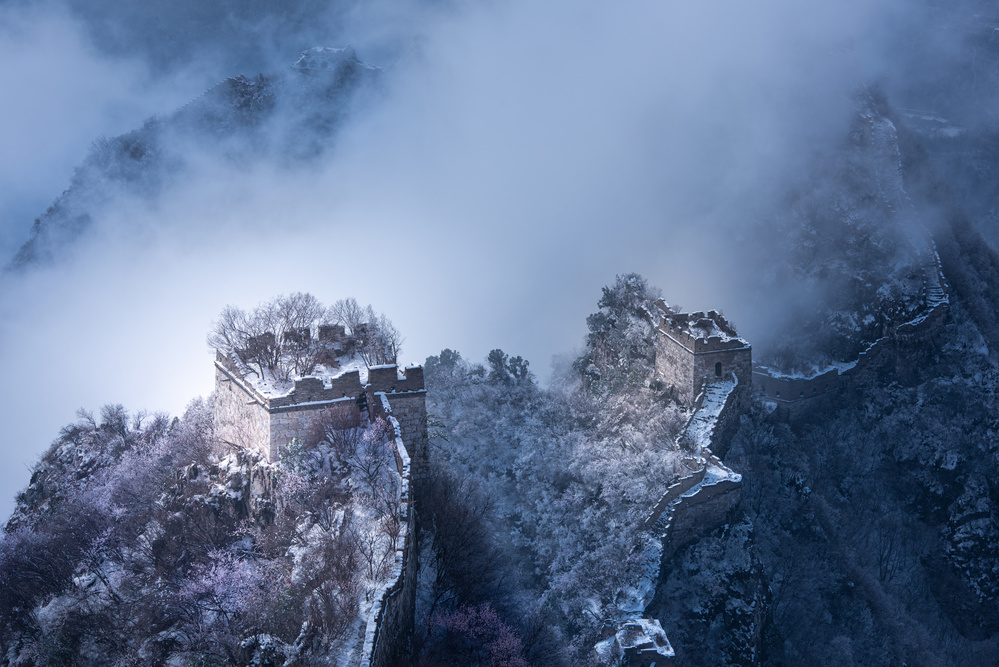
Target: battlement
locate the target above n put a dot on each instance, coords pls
(332, 333)
(796, 396)
(789, 389)
(699, 332)
(250, 418)
(310, 390)
(390, 379)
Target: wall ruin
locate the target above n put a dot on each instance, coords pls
(390, 623)
(797, 398)
(248, 420)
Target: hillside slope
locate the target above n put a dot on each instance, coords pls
(147, 541)
(288, 118)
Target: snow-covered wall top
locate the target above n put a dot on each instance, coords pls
(326, 387)
(700, 331)
(786, 389)
(390, 618)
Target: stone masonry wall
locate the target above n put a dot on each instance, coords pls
(890, 356)
(675, 490)
(675, 366)
(795, 389)
(687, 368)
(696, 515)
(247, 420)
(295, 422)
(240, 419)
(388, 379)
(313, 390)
(797, 398)
(410, 410)
(695, 504)
(736, 403)
(738, 361)
(390, 624)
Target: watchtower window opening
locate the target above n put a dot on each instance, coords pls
(718, 369)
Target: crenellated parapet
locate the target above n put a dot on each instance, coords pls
(310, 390)
(249, 418)
(791, 389)
(392, 379)
(701, 500)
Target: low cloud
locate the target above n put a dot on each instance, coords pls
(60, 94)
(514, 161)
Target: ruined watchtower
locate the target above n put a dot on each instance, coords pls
(254, 413)
(695, 349)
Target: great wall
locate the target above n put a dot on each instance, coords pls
(699, 356)
(798, 396)
(248, 418)
(390, 620)
(702, 358)
(710, 369)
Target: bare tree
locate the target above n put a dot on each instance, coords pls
(457, 550)
(231, 331)
(249, 336)
(348, 313)
(340, 426)
(300, 310)
(371, 456)
(391, 338)
(268, 330)
(280, 338)
(299, 315)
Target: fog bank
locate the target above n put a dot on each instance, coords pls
(516, 159)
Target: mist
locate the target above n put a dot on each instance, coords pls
(513, 159)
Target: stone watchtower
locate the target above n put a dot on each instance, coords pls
(249, 415)
(696, 349)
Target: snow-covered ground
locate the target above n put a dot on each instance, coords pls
(698, 435)
(272, 387)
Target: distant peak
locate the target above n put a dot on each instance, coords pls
(326, 58)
